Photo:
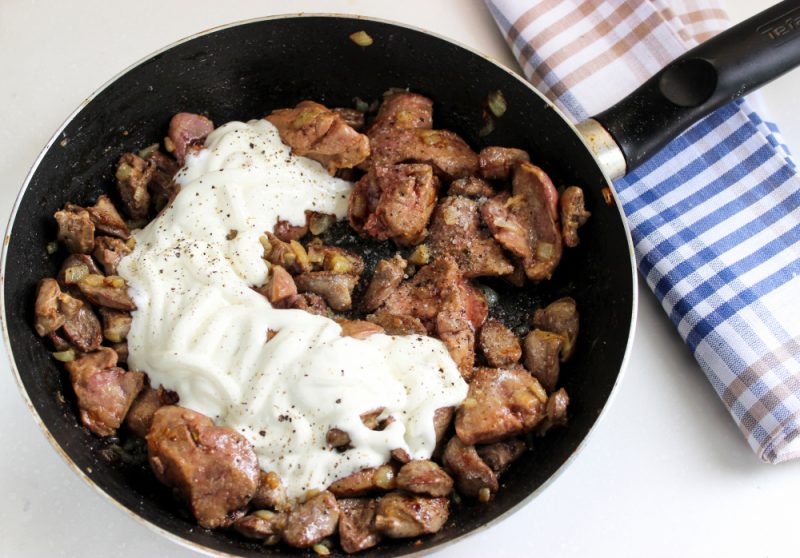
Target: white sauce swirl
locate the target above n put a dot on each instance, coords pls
(201, 330)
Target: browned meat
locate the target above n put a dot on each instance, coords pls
(107, 219)
(162, 187)
(321, 134)
(75, 229)
(116, 324)
(352, 117)
(400, 455)
(111, 292)
(290, 255)
(312, 521)
(501, 402)
(59, 343)
(540, 352)
(280, 289)
(424, 477)
(75, 267)
(357, 524)
(445, 151)
(335, 288)
(52, 307)
(260, 525)
(122, 351)
(496, 163)
(471, 187)
(560, 317)
(214, 469)
(499, 345)
(104, 395)
(455, 230)
(365, 481)
(387, 277)
(271, 493)
(500, 455)
(287, 232)
(144, 407)
(442, 418)
(359, 329)
(109, 251)
(133, 176)
(573, 215)
(557, 405)
(188, 131)
(83, 330)
(403, 109)
(394, 201)
(397, 324)
(333, 258)
(87, 363)
(312, 303)
(405, 515)
(472, 475)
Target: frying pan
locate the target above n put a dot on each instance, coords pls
(246, 70)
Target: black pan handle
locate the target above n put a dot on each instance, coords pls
(730, 65)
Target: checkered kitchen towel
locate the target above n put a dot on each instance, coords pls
(715, 217)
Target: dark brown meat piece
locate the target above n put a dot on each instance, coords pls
(365, 481)
(471, 187)
(107, 219)
(271, 493)
(163, 187)
(387, 277)
(280, 289)
(352, 117)
(403, 110)
(109, 251)
(455, 230)
(111, 292)
(287, 232)
(75, 267)
(394, 201)
(214, 469)
(314, 131)
(86, 363)
(335, 288)
(52, 307)
(573, 215)
(496, 163)
(311, 303)
(557, 405)
(75, 229)
(357, 524)
(260, 525)
(122, 351)
(144, 407)
(509, 222)
(359, 329)
(560, 317)
(116, 324)
(471, 473)
(405, 515)
(541, 350)
(500, 455)
(442, 418)
(133, 176)
(312, 521)
(448, 154)
(501, 402)
(424, 477)
(498, 344)
(58, 342)
(188, 131)
(397, 324)
(83, 330)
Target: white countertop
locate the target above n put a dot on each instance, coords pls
(666, 472)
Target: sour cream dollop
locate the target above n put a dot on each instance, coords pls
(202, 331)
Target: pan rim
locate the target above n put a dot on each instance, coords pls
(197, 547)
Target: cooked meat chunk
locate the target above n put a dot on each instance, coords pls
(496, 163)
(471, 473)
(403, 110)
(188, 131)
(526, 224)
(455, 230)
(214, 469)
(163, 187)
(312, 521)
(122, 351)
(260, 525)
(333, 258)
(75, 229)
(446, 152)
(88, 363)
(573, 215)
(109, 251)
(133, 176)
(287, 232)
(500, 455)
(58, 342)
(280, 289)
(271, 493)
(335, 288)
(541, 350)
(365, 481)
(501, 402)
(424, 477)
(314, 131)
(116, 324)
(405, 515)
(400, 455)
(111, 292)
(144, 407)
(289, 255)
(359, 329)
(83, 330)
(357, 524)
(498, 344)
(311, 303)
(75, 267)
(560, 317)
(107, 219)
(442, 418)
(387, 277)
(104, 395)
(557, 405)
(402, 324)
(471, 187)
(352, 117)
(52, 307)
(394, 201)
